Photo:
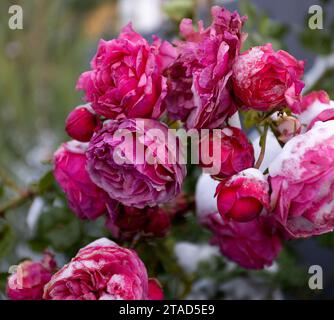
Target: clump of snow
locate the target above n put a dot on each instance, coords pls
(288, 161)
(273, 148)
(206, 202)
(190, 255)
(234, 121)
(251, 173)
(313, 111)
(102, 242)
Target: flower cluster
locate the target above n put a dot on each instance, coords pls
(122, 162)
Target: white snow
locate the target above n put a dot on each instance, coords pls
(102, 242)
(234, 121)
(206, 202)
(288, 161)
(313, 111)
(251, 173)
(273, 148)
(190, 255)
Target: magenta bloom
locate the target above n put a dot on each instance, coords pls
(85, 198)
(101, 271)
(302, 183)
(243, 196)
(135, 163)
(230, 150)
(29, 279)
(126, 78)
(127, 223)
(155, 291)
(199, 80)
(81, 123)
(267, 80)
(252, 245)
(316, 106)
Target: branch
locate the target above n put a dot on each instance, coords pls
(263, 142)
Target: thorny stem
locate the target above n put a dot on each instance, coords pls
(17, 201)
(7, 181)
(263, 142)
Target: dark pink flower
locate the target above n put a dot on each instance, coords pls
(265, 80)
(128, 223)
(243, 196)
(302, 183)
(316, 106)
(135, 162)
(228, 151)
(81, 123)
(126, 78)
(29, 279)
(101, 271)
(199, 80)
(85, 198)
(155, 291)
(252, 245)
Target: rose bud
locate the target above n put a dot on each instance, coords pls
(155, 291)
(302, 183)
(288, 127)
(85, 198)
(253, 245)
(126, 79)
(243, 196)
(136, 162)
(223, 153)
(316, 106)
(100, 271)
(265, 80)
(81, 123)
(128, 223)
(29, 279)
(199, 90)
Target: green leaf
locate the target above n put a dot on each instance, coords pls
(46, 182)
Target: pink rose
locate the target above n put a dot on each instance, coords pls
(85, 198)
(302, 183)
(81, 123)
(199, 88)
(316, 106)
(101, 271)
(29, 279)
(126, 78)
(135, 162)
(228, 151)
(243, 196)
(155, 291)
(252, 245)
(267, 80)
(128, 223)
